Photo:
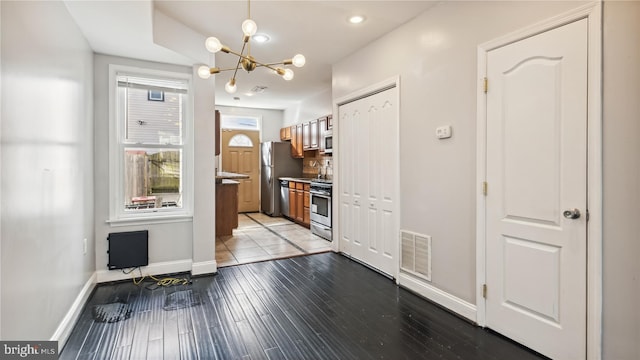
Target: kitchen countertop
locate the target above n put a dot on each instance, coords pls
(221, 175)
(305, 180)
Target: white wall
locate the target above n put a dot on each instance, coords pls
(204, 225)
(168, 242)
(437, 69)
(309, 109)
(47, 167)
(271, 120)
(621, 161)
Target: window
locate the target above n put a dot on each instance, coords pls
(240, 140)
(155, 95)
(150, 138)
(240, 122)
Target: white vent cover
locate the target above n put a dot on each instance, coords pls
(415, 255)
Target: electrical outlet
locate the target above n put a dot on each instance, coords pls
(84, 246)
(443, 132)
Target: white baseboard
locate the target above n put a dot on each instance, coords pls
(167, 267)
(204, 267)
(61, 335)
(453, 303)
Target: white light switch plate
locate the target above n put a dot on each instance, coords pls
(443, 132)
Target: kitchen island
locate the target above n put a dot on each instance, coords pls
(222, 175)
(227, 202)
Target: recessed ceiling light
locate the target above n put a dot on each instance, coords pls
(261, 38)
(356, 19)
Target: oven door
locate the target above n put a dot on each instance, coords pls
(320, 209)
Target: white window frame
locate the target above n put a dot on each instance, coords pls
(117, 214)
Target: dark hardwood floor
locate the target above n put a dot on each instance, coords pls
(322, 306)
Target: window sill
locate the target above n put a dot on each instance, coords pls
(150, 220)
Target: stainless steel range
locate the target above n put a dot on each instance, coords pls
(320, 209)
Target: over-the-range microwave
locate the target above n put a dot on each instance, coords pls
(328, 142)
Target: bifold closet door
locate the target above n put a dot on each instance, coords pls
(369, 148)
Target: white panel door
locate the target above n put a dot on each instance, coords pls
(536, 174)
(369, 180)
(349, 218)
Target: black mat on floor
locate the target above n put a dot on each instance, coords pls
(181, 299)
(112, 312)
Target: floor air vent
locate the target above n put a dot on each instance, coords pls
(415, 254)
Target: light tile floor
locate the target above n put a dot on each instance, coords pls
(261, 237)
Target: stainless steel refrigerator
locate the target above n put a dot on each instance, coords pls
(276, 163)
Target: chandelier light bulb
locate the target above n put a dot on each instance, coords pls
(213, 44)
(231, 87)
(288, 74)
(203, 72)
(249, 27)
(299, 60)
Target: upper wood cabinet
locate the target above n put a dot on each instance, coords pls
(311, 135)
(322, 125)
(306, 136)
(322, 129)
(297, 150)
(314, 134)
(285, 133)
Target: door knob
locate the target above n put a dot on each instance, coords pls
(571, 214)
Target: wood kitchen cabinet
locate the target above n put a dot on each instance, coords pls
(314, 134)
(294, 141)
(310, 135)
(299, 214)
(292, 199)
(306, 215)
(322, 129)
(226, 207)
(297, 150)
(306, 136)
(299, 203)
(285, 133)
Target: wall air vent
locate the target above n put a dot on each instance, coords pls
(415, 254)
(128, 249)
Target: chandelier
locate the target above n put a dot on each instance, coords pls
(246, 61)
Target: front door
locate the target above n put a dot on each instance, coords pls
(241, 154)
(536, 242)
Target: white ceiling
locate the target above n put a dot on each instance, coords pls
(317, 29)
